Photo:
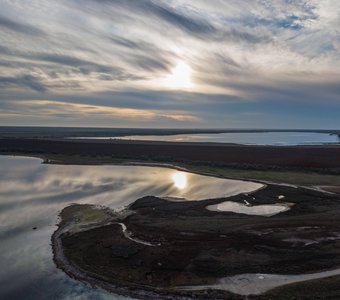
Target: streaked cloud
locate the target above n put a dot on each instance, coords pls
(23, 81)
(43, 110)
(7, 24)
(116, 56)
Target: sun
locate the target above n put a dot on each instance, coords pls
(180, 77)
(180, 180)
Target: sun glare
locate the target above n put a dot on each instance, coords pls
(180, 180)
(180, 77)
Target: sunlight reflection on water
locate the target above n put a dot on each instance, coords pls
(246, 138)
(32, 194)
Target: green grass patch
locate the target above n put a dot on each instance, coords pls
(86, 214)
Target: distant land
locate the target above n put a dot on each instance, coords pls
(67, 132)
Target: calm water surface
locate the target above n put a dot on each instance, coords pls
(245, 138)
(32, 195)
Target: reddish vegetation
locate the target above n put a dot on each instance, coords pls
(333, 189)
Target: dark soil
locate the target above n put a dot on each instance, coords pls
(318, 158)
(197, 246)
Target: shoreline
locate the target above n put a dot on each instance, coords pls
(65, 132)
(75, 272)
(328, 189)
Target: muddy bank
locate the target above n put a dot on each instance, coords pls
(167, 246)
(332, 189)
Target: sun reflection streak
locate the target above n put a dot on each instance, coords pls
(180, 180)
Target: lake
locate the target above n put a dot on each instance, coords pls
(244, 138)
(32, 194)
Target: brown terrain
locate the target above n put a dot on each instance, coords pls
(317, 158)
(202, 246)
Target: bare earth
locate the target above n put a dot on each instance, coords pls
(161, 258)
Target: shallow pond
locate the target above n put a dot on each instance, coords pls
(32, 194)
(267, 210)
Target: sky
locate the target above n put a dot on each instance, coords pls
(170, 64)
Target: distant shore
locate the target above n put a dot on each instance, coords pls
(67, 132)
(324, 159)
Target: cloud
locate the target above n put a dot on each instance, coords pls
(83, 66)
(174, 18)
(67, 111)
(86, 67)
(189, 24)
(20, 27)
(24, 80)
(119, 53)
(165, 13)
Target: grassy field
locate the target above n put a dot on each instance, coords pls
(289, 177)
